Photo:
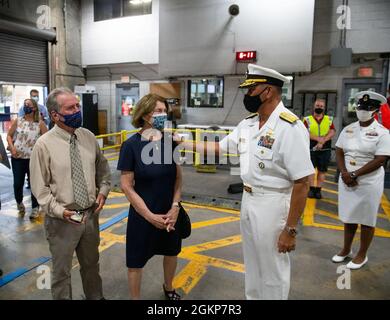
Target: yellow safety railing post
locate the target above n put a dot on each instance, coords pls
(197, 154)
(123, 136)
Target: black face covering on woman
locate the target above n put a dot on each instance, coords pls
(253, 103)
(318, 110)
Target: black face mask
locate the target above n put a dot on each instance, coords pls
(253, 103)
(318, 110)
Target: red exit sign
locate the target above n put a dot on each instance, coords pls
(245, 55)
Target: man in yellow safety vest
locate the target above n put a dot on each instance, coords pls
(321, 130)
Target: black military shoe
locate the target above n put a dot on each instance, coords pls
(312, 193)
(318, 194)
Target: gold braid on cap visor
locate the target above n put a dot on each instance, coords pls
(252, 82)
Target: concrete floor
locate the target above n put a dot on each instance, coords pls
(211, 263)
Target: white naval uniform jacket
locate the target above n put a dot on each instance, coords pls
(273, 156)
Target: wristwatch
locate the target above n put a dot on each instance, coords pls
(292, 231)
(353, 175)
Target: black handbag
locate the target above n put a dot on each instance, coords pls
(236, 188)
(183, 223)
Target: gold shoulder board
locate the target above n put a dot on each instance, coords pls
(291, 118)
(251, 116)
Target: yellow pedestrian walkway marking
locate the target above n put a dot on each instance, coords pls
(195, 206)
(113, 194)
(191, 274)
(386, 206)
(331, 182)
(335, 202)
(327, 214)
(213, 222)
(198, 260)
(309, 213)
(117, 205)
(215, 244)
(380, 215)
(329, 190)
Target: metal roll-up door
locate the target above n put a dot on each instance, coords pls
(23, 60)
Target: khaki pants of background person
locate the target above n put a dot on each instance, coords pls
(66, 238)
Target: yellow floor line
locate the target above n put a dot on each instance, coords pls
(116, 205)
(386, 206)
(308, 213)
(327, 214)
(215, 262)
(189, 276)
(330, 201)
(379, 232)
(380, 215)
(213, 222)
(193, 272)
(113, 194)
(110, 154)
(213, 244)
(330, 191)
(218, 209)
(332, 183)
(112, 159)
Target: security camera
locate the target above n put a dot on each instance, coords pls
(234, 10)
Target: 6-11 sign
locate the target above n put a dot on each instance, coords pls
(245, 56)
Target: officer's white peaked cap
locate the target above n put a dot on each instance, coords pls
(261, 75)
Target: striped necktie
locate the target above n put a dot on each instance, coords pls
(80, 189)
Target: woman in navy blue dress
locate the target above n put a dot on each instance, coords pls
(151, 180)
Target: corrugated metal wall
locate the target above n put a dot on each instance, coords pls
(23, 60)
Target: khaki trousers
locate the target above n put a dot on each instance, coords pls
(64, 239)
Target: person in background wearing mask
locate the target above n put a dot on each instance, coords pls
(34, 95)
(273, 145)
(153, 189)
(361, 150)
(322, 130)
(21, 138)
(71, 179)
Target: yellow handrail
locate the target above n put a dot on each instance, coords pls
(198, 132)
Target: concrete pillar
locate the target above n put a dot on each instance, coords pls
(65, 67)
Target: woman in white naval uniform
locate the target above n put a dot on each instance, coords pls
(362, 149)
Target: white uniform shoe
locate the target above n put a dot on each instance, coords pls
(355, 266)
(338, 259)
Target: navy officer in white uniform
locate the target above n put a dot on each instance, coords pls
(273, 145)
(361, 150)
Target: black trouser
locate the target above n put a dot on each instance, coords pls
(20, 167)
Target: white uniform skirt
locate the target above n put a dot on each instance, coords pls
(360, 204)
